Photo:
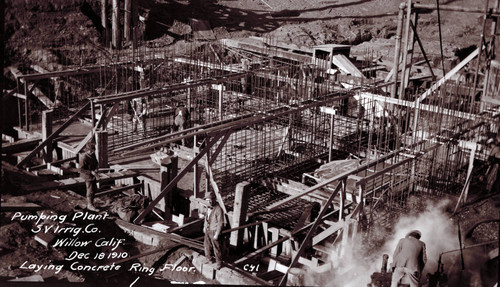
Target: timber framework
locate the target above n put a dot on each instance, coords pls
(304, 148)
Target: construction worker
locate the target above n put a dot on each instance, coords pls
(89, 172)
(181, 118)
(408, 260)
(140, 111)
(214, 221)
(493, 174)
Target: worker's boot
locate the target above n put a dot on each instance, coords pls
(90, 205)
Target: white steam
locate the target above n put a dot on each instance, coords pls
(354, 267)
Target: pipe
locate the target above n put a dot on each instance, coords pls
(397, 49)
(385, 258)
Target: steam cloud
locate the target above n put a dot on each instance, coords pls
(355, 267)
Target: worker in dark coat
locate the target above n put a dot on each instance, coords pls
(409, 259)
(493, 173)
(89, 172)
(214, 221)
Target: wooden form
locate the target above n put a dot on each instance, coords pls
(310, 233)
(175, 180)
(50, 138)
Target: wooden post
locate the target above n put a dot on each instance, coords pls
(92, 113)
(168, 171)
(46, 132)
(26, 107)
(104, 22)
(221, 100)
(115, 24)
(473, 149)
(239, 212)
(405, 51)
(330, 145)
(397, 49)
(102, 148)
(275, 235)
(342, 199)
(188, 94)
(127, 23)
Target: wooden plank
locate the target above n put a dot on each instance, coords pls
(25, 206)
(9, 93)
(411, 104)
(117, 190)
(20, 145)
(346, 65)
(217, 151)
(327, 233)
(157, 234)
(53, 135)
(448, 75)
(99, 124)
(260, 250)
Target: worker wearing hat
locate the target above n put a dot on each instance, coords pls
(214, 221)
(88, 171)
(409, 259)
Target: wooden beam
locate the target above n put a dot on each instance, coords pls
(172, 88)
(260, 250)
(118, 190)
(311, 232)
(98, 125)
(20, 145)
(25, 206)
(448, 75)
(54, 134)
(327, 232)
(171, 184)
(424, 107)
(217, 151)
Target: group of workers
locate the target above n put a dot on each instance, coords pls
(139, 115)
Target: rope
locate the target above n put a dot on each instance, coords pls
(440, 37)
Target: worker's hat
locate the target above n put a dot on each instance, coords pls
(414, 233)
